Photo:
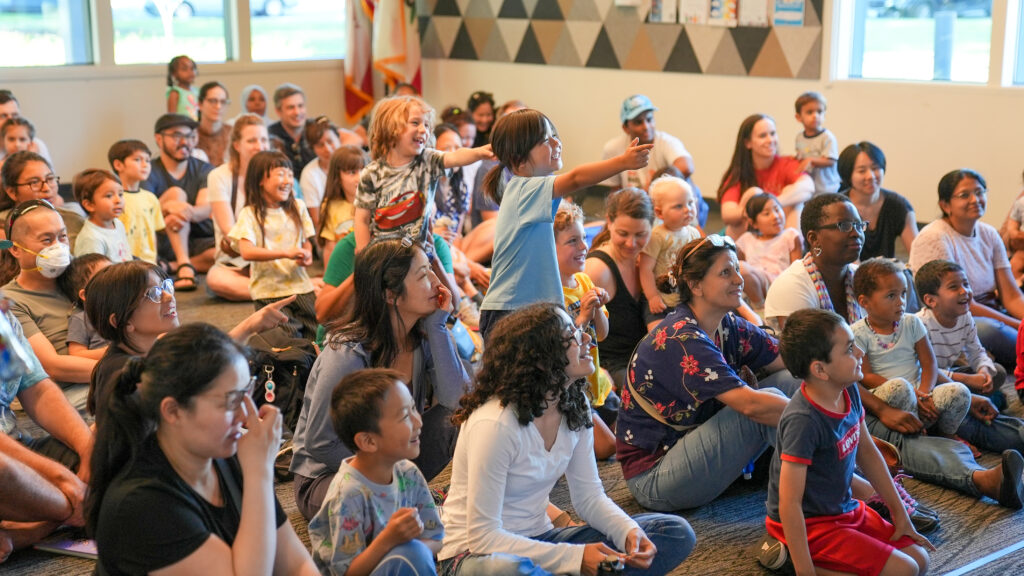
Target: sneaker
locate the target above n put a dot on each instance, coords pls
(923, 518)
(773, 555)
(1011, 491)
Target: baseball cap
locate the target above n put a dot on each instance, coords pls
(172, 120)
(634, 106)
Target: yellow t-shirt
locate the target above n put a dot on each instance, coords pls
(600, 383)
(142, 219)
(282, 277)
(339, 219)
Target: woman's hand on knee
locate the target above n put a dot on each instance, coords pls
(640, 550)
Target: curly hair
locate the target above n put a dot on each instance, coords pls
(524, 364)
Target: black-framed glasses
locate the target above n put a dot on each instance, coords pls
(177, 136)
(24, 208)
(716, 240)
(36, 184)
(233, 399)
(846, 226)
(155, 294)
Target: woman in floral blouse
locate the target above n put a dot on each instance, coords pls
(689, 421)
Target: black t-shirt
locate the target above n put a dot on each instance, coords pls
(150, 518)
(300, 153)
(192, 182)
(892, 218)
(104, 376)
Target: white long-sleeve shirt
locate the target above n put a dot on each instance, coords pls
(501, 478)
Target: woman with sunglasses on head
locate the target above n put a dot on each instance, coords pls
(396, 320)
(692, 415)
(525, 425)
(481, 109)
(180, 437)
(131, 305)
(961, 236)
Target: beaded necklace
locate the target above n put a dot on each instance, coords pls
(878, 337)
(853, 310)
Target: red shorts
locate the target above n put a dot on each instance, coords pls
(856, 542)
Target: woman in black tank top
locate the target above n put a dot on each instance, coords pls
(612, 265)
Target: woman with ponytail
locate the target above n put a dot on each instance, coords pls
(529, 151)
(178, 486)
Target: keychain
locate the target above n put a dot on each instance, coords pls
(269, 385)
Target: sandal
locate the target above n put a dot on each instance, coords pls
(185, 283)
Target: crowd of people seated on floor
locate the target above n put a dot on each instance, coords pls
(465, 321)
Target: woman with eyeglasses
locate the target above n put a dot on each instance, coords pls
(28, 176)
(962, 237)
(861, 169)
(396, 320)
(213, 132)
(833, 234)
(132, 305)
(525, 425)
(183, 471)
(692, 415)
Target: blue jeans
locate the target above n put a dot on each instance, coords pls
(410, 559)
(1000, 340)
(671, 535)
(704, 462)
(932, 459)
(1005, 433)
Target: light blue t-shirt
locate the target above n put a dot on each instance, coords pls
(899, 359)
(524, 269)
(9, 389)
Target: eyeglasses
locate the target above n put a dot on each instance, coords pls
(36, 184)
(576, 334)
(846, 226)
(219, 102)
(980, 194)
(24, 208)
(155, 294)
(177, 136)
(233, 399)
(716, 240)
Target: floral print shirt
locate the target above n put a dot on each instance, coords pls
(679, 370)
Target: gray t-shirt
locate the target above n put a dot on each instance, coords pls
(401, 198)
(80, 331)
(41, 312)
(826, 178)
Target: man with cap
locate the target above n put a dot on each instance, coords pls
(637, 116)
(179, 181)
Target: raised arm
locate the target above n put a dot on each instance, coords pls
(466, 156)
(635, 157)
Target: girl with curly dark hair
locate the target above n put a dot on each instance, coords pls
(525, 425)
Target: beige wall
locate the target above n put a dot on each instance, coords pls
(924, 129)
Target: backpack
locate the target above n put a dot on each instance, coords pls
(281, 365)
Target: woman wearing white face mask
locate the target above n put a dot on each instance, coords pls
(39, 244)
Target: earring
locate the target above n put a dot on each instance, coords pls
(816, 251)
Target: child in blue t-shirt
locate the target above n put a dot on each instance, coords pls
(378, 510)
(524, 268)
(821, 439)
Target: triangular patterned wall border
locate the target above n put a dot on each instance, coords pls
(596, 33)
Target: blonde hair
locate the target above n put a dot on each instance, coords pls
(659, 188)
(388, 120)
(568, 214)
(241, 123)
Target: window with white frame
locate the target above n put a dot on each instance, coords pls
(941, 40)
(44, 33)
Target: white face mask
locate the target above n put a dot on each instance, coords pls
(52, 261)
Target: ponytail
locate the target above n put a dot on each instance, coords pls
(181, 365)
(121, 429)
(494, 183)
